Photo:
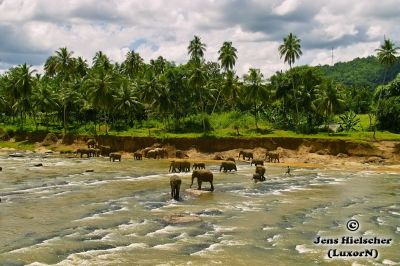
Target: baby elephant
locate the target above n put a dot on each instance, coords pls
(203, 176)
(257, 162)
(115, 156)
(199, 166)
(138, 155)
(175, 182)
(259, 175)
(228, 165)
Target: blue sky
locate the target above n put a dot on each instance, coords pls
(31, 30)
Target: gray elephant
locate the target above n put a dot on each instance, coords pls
(181, 166)
(105, 150)
(146, 150)
(218, 157)
(91, 143)
(228, 165)
(161, 153)
(203, 176)
(199, 166)
(175, 182)
(258, 178)
(272, 157)
(115, 156)
(245, 154)
(82, 151)
(137, 155)
(257, 162)
(152, 154)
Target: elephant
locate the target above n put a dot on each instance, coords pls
(115, 156)
(258, 178)
(175, 182)
(137, 156)
(161, 152)
(199, 166)
(83, 151)
(218, 157)
(180, 154)
(257, 162)
(203, 176)
(228, 165)
(245, 154)
(181, 166)
(146, 150)
(91, 143)
(272, 157)
(105, 150)
(97, 152)
(231, 159)
(152, 154)
(260, 170)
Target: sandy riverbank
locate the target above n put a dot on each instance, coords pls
(295, 152)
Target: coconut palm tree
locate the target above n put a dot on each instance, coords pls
(255, 91)
(387, 57)
(126, 101)
(227, 56)
(196, 50)
(101, 88)
(132, 64)
(290, 49)
(328, 100)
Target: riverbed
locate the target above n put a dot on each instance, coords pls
(117, 215)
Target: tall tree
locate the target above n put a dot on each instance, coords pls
(227, 56)
(387, 57)
(196, 49)
(290, 49)
(132, 64)
(255, 91)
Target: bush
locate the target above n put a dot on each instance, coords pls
(50, 139)
(388, 114)
(193, 123)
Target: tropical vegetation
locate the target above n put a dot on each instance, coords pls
(105, 96)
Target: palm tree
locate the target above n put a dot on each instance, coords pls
(100, 85)
(196, 49)
(100, 60)
(132, 64)
(21, 86)
(255, 91)
(290, 49)
(125, 101)
(227, 56)
(387, 57)
(328, 100)
(197, 80)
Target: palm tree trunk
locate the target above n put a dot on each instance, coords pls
(65, 119)
(255, 115)
(216, 101)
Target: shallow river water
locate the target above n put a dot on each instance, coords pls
(59, 214)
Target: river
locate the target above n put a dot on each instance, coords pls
(60, 214)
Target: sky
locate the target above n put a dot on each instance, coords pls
(32, 30)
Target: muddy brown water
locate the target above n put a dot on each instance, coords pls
(59, 214)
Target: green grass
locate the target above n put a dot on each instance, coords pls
(21, 145)
(223, 125)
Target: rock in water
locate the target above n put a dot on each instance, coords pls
(181, 219)
(89, 171)
(38, 165)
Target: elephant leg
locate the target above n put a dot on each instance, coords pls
(212, 186)
(177, 188)
(172, 190)
(199, 184)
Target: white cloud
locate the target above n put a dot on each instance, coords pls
(31, 30)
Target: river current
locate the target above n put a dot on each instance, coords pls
(59, 214)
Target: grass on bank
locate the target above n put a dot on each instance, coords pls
(222, 125)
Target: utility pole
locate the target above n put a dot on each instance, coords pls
(332, 57)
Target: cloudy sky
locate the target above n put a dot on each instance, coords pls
(31, 30)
